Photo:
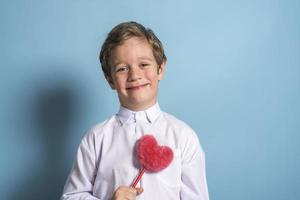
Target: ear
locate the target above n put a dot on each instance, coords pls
(110, 82)
(161, 71)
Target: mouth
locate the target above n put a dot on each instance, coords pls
(137, 87)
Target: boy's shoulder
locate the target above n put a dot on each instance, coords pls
(186, 135)
(100, 128)
(177, 124)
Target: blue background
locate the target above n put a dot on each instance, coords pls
(233, 75)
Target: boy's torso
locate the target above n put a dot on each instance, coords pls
(116, 163)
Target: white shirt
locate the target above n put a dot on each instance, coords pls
(105, 159)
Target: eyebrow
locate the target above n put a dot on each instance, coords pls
(146, 58)
(117, 63)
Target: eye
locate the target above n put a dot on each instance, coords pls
(121, 69)
(144, 65)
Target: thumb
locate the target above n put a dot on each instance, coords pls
(139, 190)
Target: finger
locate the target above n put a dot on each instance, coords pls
(133, 190)
(139, 190)
(131, 193)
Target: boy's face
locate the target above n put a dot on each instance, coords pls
(135, 74)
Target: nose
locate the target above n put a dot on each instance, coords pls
(134, 74)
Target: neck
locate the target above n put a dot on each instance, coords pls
(138, 108)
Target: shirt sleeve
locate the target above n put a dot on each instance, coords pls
(79, 184)
(193, 178)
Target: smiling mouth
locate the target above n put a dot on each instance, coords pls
(137, 87)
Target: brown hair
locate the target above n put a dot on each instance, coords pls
(124, 31)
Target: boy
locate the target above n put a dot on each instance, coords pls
(133, 62)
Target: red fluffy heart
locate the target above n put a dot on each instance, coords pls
(152, 156)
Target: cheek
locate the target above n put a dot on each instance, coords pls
(120, 82)
(151, 75)
(154, 78)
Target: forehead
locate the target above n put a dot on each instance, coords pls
(132, 48)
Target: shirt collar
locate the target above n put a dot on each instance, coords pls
(128, 116)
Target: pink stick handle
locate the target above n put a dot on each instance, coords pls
(138, 178)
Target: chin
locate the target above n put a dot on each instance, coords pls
(140, 105)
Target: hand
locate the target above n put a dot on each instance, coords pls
(126, 193)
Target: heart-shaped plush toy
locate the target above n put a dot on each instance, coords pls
(151, 156)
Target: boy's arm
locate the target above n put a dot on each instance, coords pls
(193, 185)
(79, 184)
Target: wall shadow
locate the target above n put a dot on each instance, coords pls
(52, 116)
